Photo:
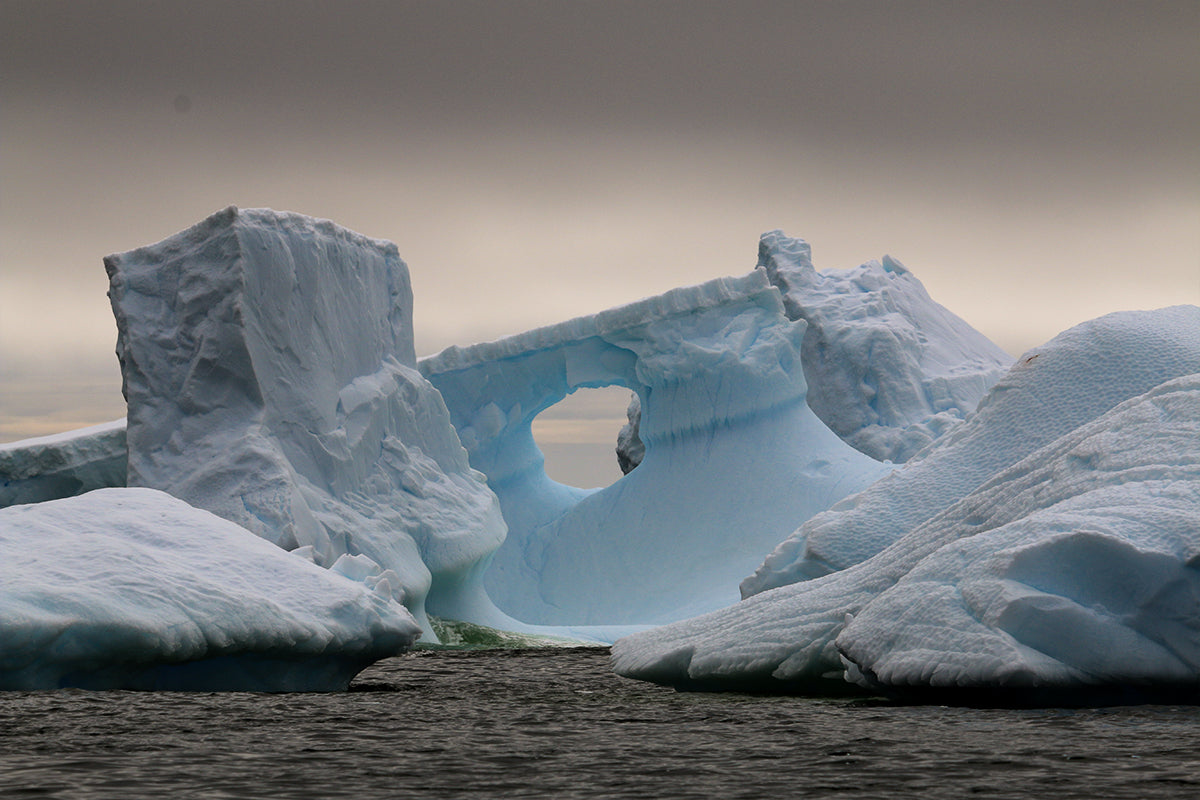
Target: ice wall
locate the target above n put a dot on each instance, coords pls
(269, 371)
(1072, 570)
(62, 465)
(888, 369)
(134, 589)
(1070, 380)
(733, 455)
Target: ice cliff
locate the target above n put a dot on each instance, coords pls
(733, 455)
(1071, 569)
(270, 376)
(63, 465)
(133, 589)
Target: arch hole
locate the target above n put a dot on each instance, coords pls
(578, 436)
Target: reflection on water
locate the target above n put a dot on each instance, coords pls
(556, 723)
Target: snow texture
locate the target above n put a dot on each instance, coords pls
(1073, 568)
(1074, 378)
(62, 465)
(889, 370)
(134, 589)
(734, 457)
(269, 370)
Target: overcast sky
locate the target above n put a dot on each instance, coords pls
(1034, 164)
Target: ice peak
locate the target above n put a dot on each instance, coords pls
(777, 250)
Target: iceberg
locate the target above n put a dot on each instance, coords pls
(134, 589)
(269, 370)
(1072, 379)
(889, 370)
(734, 458)
(1072, 572)
(1085, 573)
(63, 464)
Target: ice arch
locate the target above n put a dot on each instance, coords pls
(735, 459)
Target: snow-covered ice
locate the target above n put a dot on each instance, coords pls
(734, 458)
(134, 589)
(269, 370)
(63, 464)
(1071, 379)
(1074, 568)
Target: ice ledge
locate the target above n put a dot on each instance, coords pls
(686, 300)
(63, 464)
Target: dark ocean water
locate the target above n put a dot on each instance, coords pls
(556, 723)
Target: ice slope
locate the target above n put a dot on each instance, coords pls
(733, 455)
(134, 589)
(269, 370)
(1071, 571)
(1072, 379)
(62, 465)
(1085, 569)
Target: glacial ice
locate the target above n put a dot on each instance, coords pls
(63, 464)
(1047, 541)
(269, 370)
(1068, 381)
(888, 369)
(734, 457)
(1074, 569)
(134, 589)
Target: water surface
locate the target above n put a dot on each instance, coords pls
(557, 723)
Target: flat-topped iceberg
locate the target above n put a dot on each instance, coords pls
(734, 458)
(270, 376)
(133, 589)
(1073, 572)
(62, 465)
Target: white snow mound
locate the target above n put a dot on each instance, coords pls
(889, 370)
(133, 589)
